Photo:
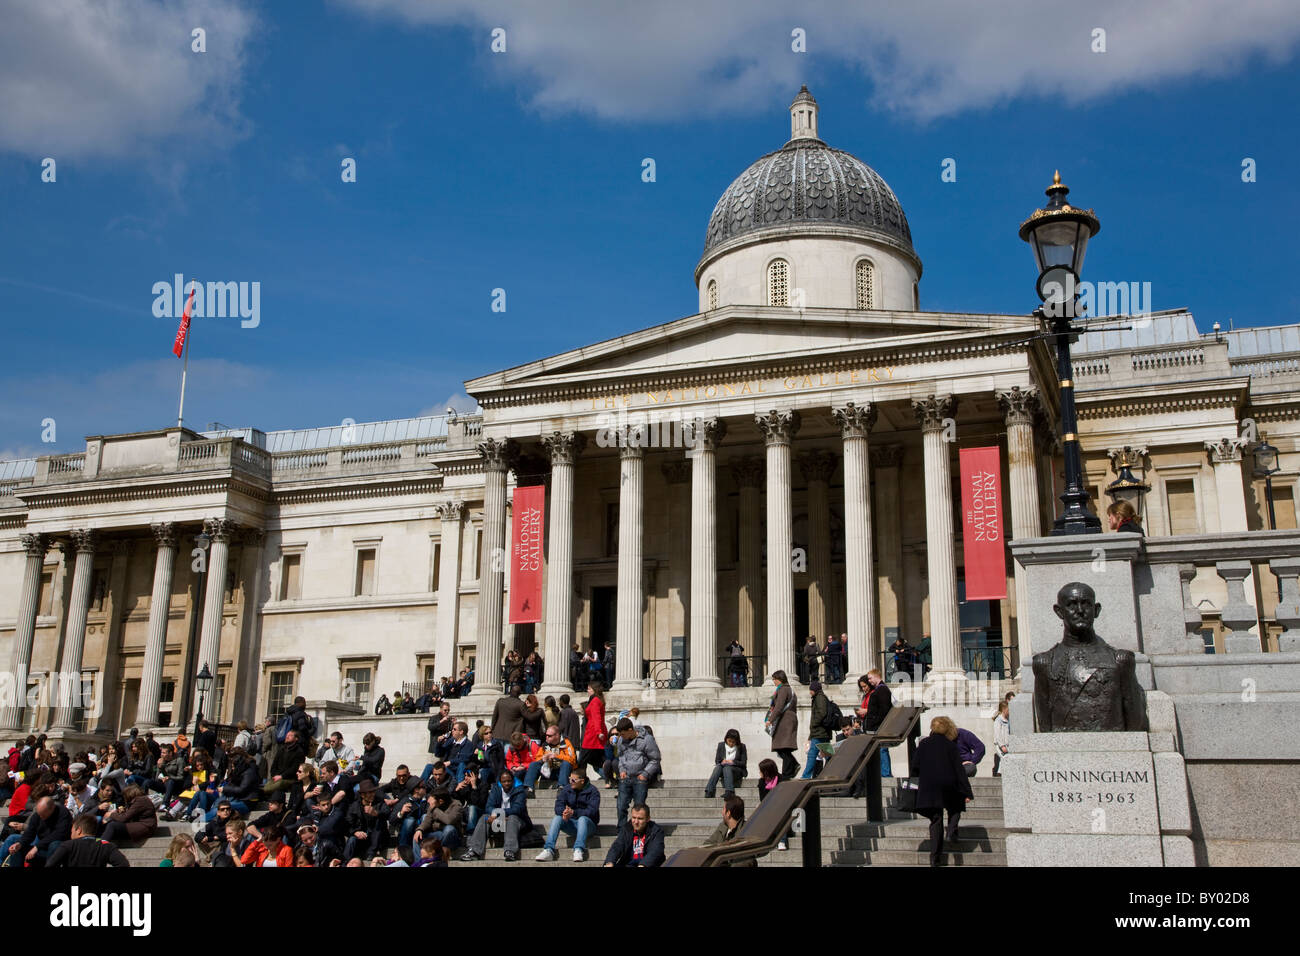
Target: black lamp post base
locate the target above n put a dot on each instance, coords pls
(1076, 518)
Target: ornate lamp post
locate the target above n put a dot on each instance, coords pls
(1266, 467)
(1058, 234)
(1127, 487)
(203, 681)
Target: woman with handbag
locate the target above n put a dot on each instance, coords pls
(943, 784)
(782, 724)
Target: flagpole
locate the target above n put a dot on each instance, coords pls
(185, 367)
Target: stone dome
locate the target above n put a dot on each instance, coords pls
(806, 186)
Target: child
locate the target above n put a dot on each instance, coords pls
(431, 853)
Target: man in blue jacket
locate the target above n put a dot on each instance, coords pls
(577, 812)
(509, 802)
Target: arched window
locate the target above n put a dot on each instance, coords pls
(713, 294)
(864, 283)
(778, 283)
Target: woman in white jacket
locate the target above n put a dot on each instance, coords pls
(1001, 735)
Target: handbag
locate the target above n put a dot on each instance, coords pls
(770, 726)
(908, 789)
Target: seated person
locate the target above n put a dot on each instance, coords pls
(733, 818)
(84, 849)
(730, 761)
(136, 820)
(213, 835)
(48, 825)
(640, 841)
(577, 812)
(511, 803)
(400, 788)
(367, 825)
(522, 753)
(443, 820)
(271, 850)
(408, 814)
(459, 749)
(556, 761)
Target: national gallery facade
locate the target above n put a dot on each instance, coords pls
(782, 463)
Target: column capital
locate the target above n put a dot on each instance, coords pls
(677, 471)
(778, 426)
(748, 472)
(564, 447)
(630, 451)
(164, 534)
(81, 541)
(450, 510)
(1126, 457)
(35, 545)
(220, 529)
(704, 434)
(933, 411)
(498, 454)
(886, 456)
(855, 421)
(1019, 405)
(1225, 450)
(817, 465)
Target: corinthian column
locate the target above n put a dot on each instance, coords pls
(631, 504)
(748, 474)
(934, 415)
(451, 513)
(1225, 456)
(155, 646)
(1020, 407)
(818, 466)
(68, 680)
(856, 422)
(779, 428)
(29, 599)
(219, 531)
(498, 456)
(708, 434)
(885, 461)
(564, 447)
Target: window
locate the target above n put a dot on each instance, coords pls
(291, 577)
(778, 283)
(279, 693)
(98, 589)
(713, 294)
(478, 554)
(356, 686)
(219, 697)
(437, 565)
(865, 279)
(166, 703)
(1283, 507)
(429, 676)
(1182, 507)
(47, 594)
(365, 572)
(1207, 638)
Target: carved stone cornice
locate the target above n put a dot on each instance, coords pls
(748, 472)
(498, 454)
(855, 421)
(220, 529)
(564, 447)
(886, 456)
(1019, 405)
(35, 545)
(817, 465)
(778, 427)
(164, 534)
(704, 434)
(677, 472)
(934, 411)
(1225, 450)
(450, 510)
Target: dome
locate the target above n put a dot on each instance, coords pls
(807, 187)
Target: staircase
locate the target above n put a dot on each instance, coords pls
(688, 818)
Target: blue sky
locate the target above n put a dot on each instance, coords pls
(522, 171)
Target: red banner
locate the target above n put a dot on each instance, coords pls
(981, 525)
(526, 555)
(184, 330)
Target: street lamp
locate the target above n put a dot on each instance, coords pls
(1127, 487)
(1058, 234)
(1266, 467)
(203, 681)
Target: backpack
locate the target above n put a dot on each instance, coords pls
(834, 721)
(282, 728)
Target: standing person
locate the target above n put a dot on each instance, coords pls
(834, 660)
(638, 764)
(876, 703)
(593, 730)
(1001, 735)
(576, 674)
(508, 714)
(729, 764)
(737, 665)
(609, 663)
(811, 653)
(551, 710)
(782, 724)
(569, 726)
(971, 749)
(943, 783)
(1123, 517)
(820, 730)
(534, 718)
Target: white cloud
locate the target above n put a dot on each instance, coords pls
(675, 58)
(94, 78)
(462, 403)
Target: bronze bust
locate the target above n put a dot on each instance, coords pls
(1083, 683)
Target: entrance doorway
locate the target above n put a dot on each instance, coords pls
(800, 629)
(604, 617)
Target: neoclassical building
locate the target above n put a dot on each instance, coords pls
(779, 464)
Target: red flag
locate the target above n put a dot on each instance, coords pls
(526, 571)
(983, 543)
(184, 329)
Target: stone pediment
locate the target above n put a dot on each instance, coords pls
(746, 337)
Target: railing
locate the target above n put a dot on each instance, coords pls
(200, 451)
(1173, 358)
(67, 464)
(371, 454)
(254, 457)
(1262, 366)
(674, 672)
(994, 660)
(857, 760)
(1088, 367)
(753, 673)
(429, 446)
(299, 461)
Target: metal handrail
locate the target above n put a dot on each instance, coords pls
(858, 756)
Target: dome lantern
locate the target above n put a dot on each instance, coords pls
(803, 116)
